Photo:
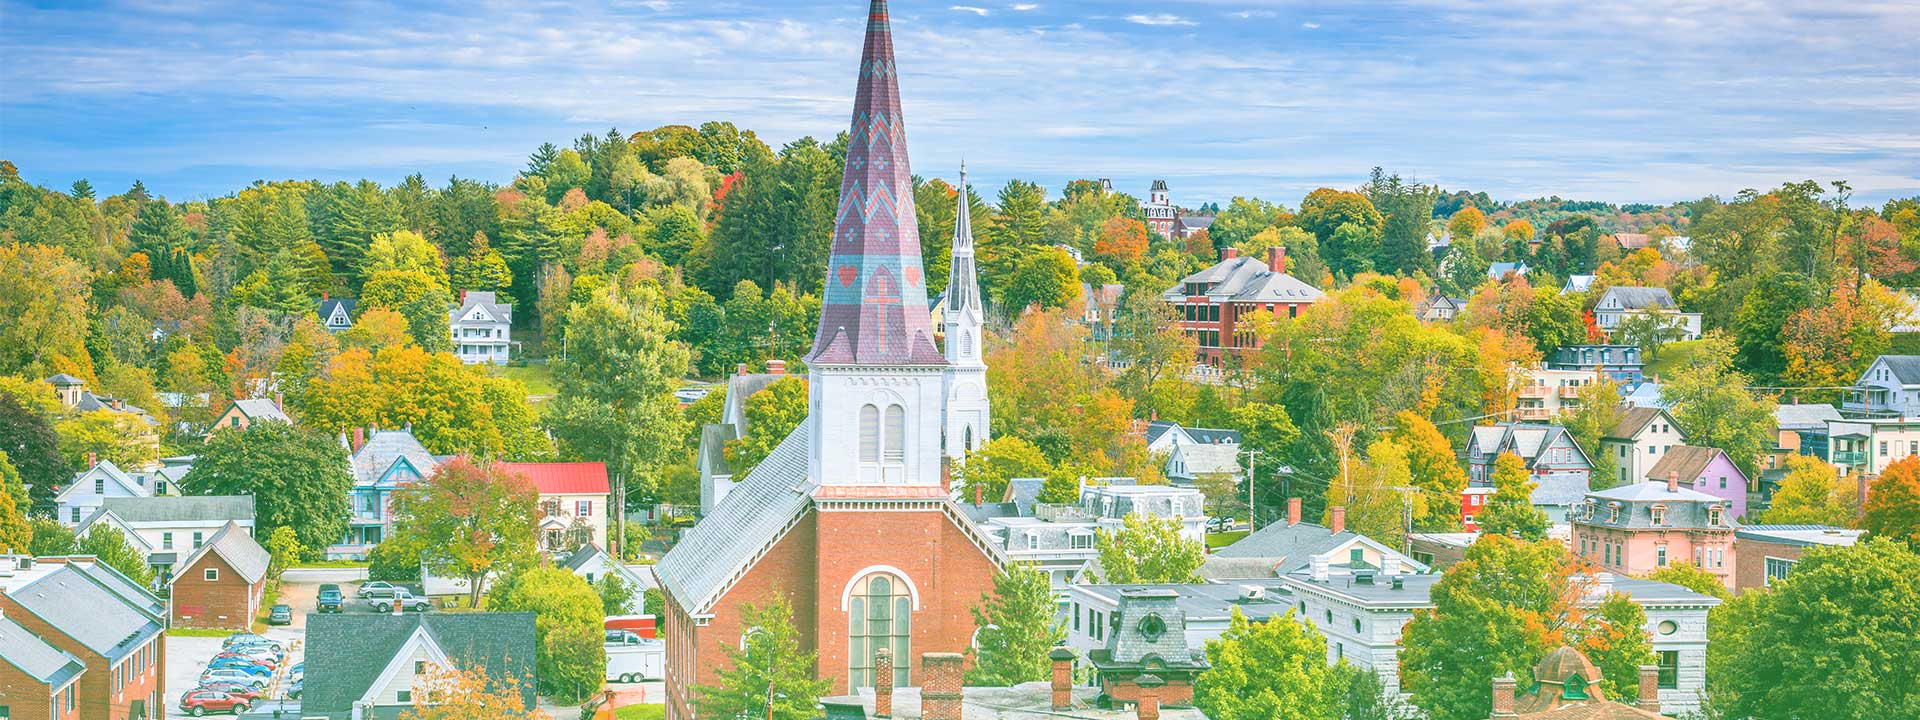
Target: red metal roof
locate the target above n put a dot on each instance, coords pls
(567, 478)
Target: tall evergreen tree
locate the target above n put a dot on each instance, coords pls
(768, 675)
(1017, 629)
(159, 232)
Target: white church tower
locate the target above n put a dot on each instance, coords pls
(968, 422)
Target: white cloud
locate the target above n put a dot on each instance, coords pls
(982, 12)
(1024, 7)
(1250, 14)
(1161, 19)
(1310, 25)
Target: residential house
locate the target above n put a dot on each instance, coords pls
(1639, 440)
(1473, 501)
(91, 612)
(1619, 304)
(369, 667)
(1059, 538)
(1639, 528)
(594, 566)
(1868, 446)
(482, 328)
(1546, 393)
(242, 414)
(1889, 388)
(382, 461)
(575, 501)
(166, 530)
(74, 395)
(1500, 271)
(1630, 242)
(1363, 622)
(220, 585)
(1578, 284)
(1187, 226)
(1189, 463)
(1438, 308)
(1159, 209)
(1102, 308)
(1765, 554)
(1565, 685)
(1706, 470)
(1621, 363)
(1295, 544)
(1163, 436)
(336, 314)
(1559, 466)
(1800, 429)
(1440, 550)
(93, 486)
(1212, 301)
(716, 476)
(1088, 611)
(37, 680)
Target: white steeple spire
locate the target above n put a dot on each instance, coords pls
(968, 419)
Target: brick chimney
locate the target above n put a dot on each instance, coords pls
(776, 367)
(1277, 259)
(463, 297)
(1503, 697)
(883, 684)
(93, 459)
(1062, 678)
(740, 369)
(1337, 519)
(280, 401)
(359, 438)
(1293, 512)
(1673, 482)
(1148, 707)
(1649, 688)
(1230, 252)
(940, 675)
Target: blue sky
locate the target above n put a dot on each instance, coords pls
(1621, 101)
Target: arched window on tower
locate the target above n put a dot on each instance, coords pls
(870, 435)
(966, 343)
(879, 615)
(893, 447)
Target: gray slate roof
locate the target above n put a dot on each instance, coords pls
(581, 557)
(385, 447)
(262, 410)
(1639, 298)
(1686, 509)
(1801, 535)
(749, 520)
(1804, 417)
(1246, 279)
(1208, 436)
(80, 604)
(235, 546)
(501, 312)
(1905, 368)
(36, 658)
(1288, 545)
(181, 508)
(1024, 493)
(348, 652)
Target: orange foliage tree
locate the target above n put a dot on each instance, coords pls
(1893, 502)
(453, 693)
(1123, 239)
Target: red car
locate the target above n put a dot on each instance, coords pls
(244, 692)
(198, 702)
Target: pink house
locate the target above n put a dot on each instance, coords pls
(1637, 529)
(1707, 470)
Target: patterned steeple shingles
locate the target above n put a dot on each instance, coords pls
(874, 312)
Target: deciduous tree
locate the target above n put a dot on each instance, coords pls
(456, 693)
(1148, 550)
(124, 438)
(1511, 511)
(297, 476)
(1122, 240)
(768, 675)
(1691, 577)
(567, 619)
(1017, 629)
(1893, 502)
(16, 534)
(771, 414)
(468, 521)
(43, 312)
(1710, 399)
(32, 446)
(110, 547)
(1813, 493)
(616, 388)
(1275, 669)
(988, 469)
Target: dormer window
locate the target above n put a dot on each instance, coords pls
(1613, 512)
(1659, 514)
(1714, 515)
(1574, 689)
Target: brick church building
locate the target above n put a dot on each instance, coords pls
(851, 517)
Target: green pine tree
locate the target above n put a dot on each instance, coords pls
(768, 676)
(1017, 629)
(1510, 511)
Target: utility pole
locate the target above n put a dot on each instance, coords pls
(1406, 535)
(1252, 456)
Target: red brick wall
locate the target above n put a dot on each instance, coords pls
(228, 603)
(26, 697)
(1750, 561)
(949, 571)
(96, 696)
(694, 654)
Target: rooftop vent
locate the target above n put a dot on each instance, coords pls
(1363, 577)
(1399, 583)
(1252, 593)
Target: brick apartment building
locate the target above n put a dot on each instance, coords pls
(1766, 554)
(37, 680)
(220, 585)
(1212, 302)
(88, 612)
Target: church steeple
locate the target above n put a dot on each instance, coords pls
(968, 420)
(874, 308)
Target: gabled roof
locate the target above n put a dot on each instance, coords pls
(347, 653)
(1633, 241)
(1208, 459)
(1806, 416)
(1205, 436)
(35, 657)
(1499, 270)
(1246, 279)
(112, 473)
(1289, 547)
(1024, 493)
(181, 508)
(1905, 368)
(63, 379)
(1639, 298)
(1654, 491)
(385, 448)
(487, 301)
(262, 410)
(238, 548)
(564, 478)
(1637, 419)
(1580, 283)
(329, 305)
(1684, 461)
(754, 516)
(91, 609)
(580, 557)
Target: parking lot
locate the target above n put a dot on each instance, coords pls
(299, 588)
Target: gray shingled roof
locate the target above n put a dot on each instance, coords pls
(347, 653)
(84, 609)
(747, 522)
(235, 546)
(1208, 436)
(1906, 368)
(1024, 493)
(385, 447)
(36, 658)
(262, 410)
(501, 312)
(1246, 279)
(1288, 545)
(581, 557)
(1806, 416)
(1639, 298)
(182, 508)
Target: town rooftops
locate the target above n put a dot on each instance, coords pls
(1257, 599)
(387, 447)
(1905, 368)
(1683, 461)
(33, 656)
(1248, 280)
(564, 478)
(1637, 298)
(92, 604)
(349, 652)
(65, 380)
(235, 546)
(1027, 701)
(1654, 491)
(1416, 590)
(179, 508)
(487, 301)
(1206, 436)
(1801, 535)
(1633, 421)
(754, 515)
(1811, 416)
(259, 410)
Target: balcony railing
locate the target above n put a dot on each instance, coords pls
(1536, 391)
(1850, 457)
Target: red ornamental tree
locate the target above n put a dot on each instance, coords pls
(1123, 239)
(1893, 502)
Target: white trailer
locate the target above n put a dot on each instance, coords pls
(636, 660)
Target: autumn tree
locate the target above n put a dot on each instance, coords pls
(1466, 224)
(616, 388)
(124, 438)
(1045, 277)
(1017, 629)
(16, 533)
(43, 312)
(768, 674)
(1149, 337)
(771, 414)
(1511, 511)
(452, 408)
(1122, 240)
(1710, 399)
(571, 659)
(1276, 668)
(1433, 468)
(1893, 502)
(297, 476)
(1813, 492)
(987, 470)
(1148, 550)
(1369, 489)
(1044, 392)
(468, 521)
(456, 693)
(1691, 577)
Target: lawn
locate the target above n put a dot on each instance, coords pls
(537, 378)
(332, 564)
(641, 712)
(196, 632)
(1673, 355)
(1215, 541)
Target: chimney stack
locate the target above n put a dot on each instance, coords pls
(1229, 252)
(1148, 706)
(883, 684)
(976, 493)
(1293, 512)
(940, 685)
(1337, 520)
(1062, 678)
(740, 369)
(1649, 688)
(1673, 482)
(1277, 259)
(776, 367)
(280, 401)
(359, 438)
(93, 459)
(1503, 697)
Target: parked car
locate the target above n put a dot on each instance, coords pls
(262, 660)
(402, 599)
(692, 393)
(267, 648)
(299, 670)
(248, 692)
(200, 702)
(294, 689)
(249, 638)
(331, 600)
(378, 589)
(232, 675)
(623, 637)
(253, 668)
(280, 615)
